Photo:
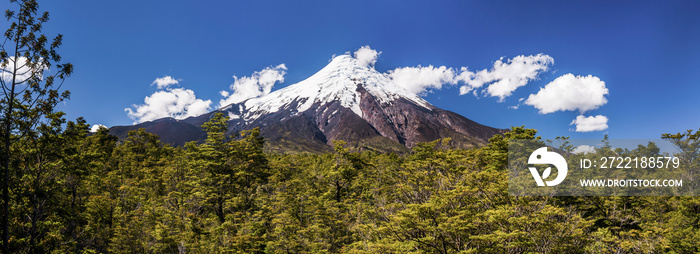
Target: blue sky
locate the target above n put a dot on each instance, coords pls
(644, 51)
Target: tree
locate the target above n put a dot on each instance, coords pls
(28, 93)
(230, 171)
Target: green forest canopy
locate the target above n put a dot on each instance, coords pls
(74, 192)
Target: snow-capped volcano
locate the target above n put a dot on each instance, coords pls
(337, 82)
(346, 100)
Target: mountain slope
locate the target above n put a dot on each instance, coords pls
(343, 101)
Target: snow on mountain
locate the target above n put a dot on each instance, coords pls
(337, 82)
(346, 100)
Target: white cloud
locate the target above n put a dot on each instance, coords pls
(501, 80)
(570, 92)
(95, 127)
(517, 105)
(505, 77)
(366, 56)
(23, 70)
(591, 123)
(419, 79)
(178, 103)
(584, 149)
(465, 76)
(258, 84)
(164, 82)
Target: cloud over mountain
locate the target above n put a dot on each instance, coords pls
(256, 85)
(367, 56)
(178, 103)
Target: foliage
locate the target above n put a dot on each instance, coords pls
(93, 194)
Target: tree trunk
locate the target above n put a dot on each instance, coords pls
(6, 158)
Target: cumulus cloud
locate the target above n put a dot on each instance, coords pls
(570, 92)
(505, 76)
(178, 103)
(24, 70)
(164, 82)
(95, 127)
(366, 56)
(501, 80)
(591, 123)
(419, 79)
(258, 84)
(584, 149)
